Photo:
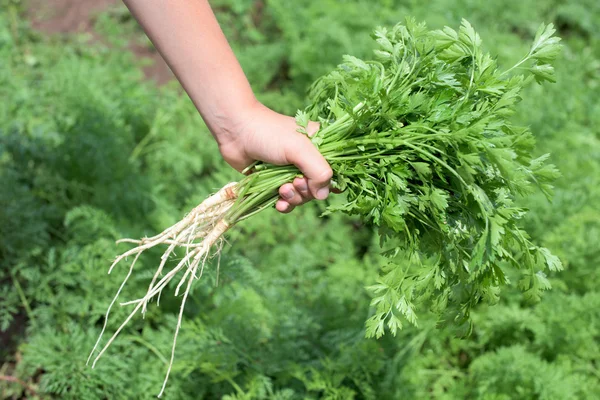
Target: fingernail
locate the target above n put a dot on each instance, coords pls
(303, 186)
(288, 195)
(322, 193)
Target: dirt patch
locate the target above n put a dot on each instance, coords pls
(65, 16)
(10, 337)
(77, 16)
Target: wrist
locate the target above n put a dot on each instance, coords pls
(226, 121)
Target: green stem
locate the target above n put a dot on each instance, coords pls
(262, 193)
(338, 130)
(260, 189)
(527, 57)
(330, 149)
(150, 347)
(484, 213)
(23, 298)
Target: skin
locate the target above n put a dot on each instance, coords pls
(188, 36)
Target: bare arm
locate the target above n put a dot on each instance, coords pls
(189, 38)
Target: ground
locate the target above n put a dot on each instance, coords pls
(71, 16)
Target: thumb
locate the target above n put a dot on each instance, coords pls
(301, 152)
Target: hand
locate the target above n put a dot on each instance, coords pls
(188, 36)
(262, 134)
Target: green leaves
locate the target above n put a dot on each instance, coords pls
(468, 36)
(422, 141)
(390, 301)
(543, 52)
(543, 73)
(302, 120)
(547, 351)
(545, 47)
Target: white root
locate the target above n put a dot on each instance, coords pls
(204, 211)
(179, 318)
(111, 305)
(200, 259)
(227, 192)
(200, 232)
(135, 310)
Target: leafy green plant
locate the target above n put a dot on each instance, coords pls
(421, 142)
(298, 278)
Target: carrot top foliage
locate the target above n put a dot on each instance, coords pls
(90, 152)
(420, 140)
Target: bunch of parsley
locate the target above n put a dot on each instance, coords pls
(421, 142)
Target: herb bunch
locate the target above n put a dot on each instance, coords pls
(420, 141)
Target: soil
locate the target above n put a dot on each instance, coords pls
(77, 16)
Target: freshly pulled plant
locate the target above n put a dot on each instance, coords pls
(420, 142)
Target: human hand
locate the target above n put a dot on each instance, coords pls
(209, 72)
(259, 133)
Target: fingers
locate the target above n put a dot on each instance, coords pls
(289, 194)
(301, 186)
(292, 195)
(283, 206)
(303, 154)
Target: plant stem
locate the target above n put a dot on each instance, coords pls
(23, 298)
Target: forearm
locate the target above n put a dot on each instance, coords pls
(188, 36)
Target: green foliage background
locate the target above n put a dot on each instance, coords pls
(90, 152)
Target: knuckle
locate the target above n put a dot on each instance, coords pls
(297, 200)
(302, 188)
(324, 175)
